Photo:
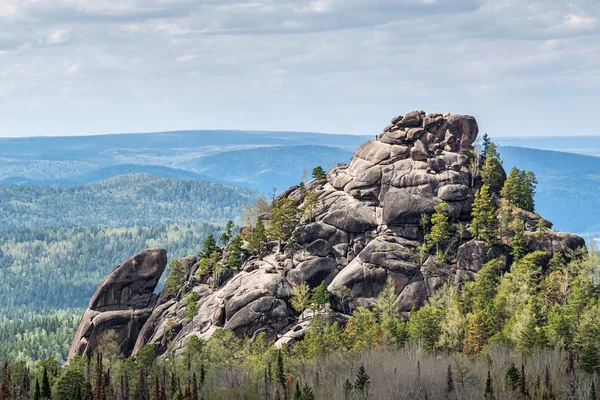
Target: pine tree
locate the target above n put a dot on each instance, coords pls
(283, 220)
(485, 222)
(519, 189)
(491, 172)
(513, 376)
(593, 391)
(280, 373)
(485, 145)
(297, 392)
(257, 242)
(347, 389)
(236, 253)
(320, 296)
(440, 227)
(307, 393)
(318, 173)
(176, 277)
(363, 381)
(300, 297)
(4, 387)
(46, 392)
(489, 389)
(227, 234)
(476, 335)
(519, 246)
(37, 393)
(208, 247)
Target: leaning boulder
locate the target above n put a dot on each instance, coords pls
(121, 305)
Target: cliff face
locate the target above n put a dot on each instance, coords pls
(364, 229)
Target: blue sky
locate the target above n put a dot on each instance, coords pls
(521, 67)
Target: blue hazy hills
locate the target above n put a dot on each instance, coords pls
(568, 189)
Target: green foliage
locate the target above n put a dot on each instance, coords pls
(519, 189)
(425, 326)
(519, 246)
(301, 297)
(176, 277)
(208, 247)
(485, 222)
(257, 243)
(318, 173)
(228, 233)
(362, 331)
(320, 296)
(284, 219)
(236, 253)
(440, 226)
(191, 302)
(491, 173)
(363, 381)
(70, 385)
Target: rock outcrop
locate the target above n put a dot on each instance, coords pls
(121, 305)
(365, 228)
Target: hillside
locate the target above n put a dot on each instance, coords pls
(123, 201)
(183, 155)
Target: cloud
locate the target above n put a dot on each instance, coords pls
(320, 65)
(59, 36)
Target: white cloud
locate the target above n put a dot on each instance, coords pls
(56, 37)
(186, 58)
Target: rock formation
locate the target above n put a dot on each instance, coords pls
(365, 228)
(121, 304)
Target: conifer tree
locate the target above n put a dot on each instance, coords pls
(519, 247)
(519, 189)
(485, 145)
(320, 296)
(176, 277)
(46, 392)
(284, 219)
(208, 247)
(318, 173)
(489, 389)
(523, 383)
(301, 297)
(227, 234)
(236, 253)
(257, 243)
(4, 387)
(476, 335)
(513, 376)
(347, 389)
(491, 172)
(363, 381)
(307, 393)
(280, 373)
(440, 227)
(485, 222)
(593, 390)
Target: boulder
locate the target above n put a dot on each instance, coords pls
(121, 305)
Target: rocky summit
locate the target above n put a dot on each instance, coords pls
(366, 227)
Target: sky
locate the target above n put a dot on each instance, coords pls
(78, 67)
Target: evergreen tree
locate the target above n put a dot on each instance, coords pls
(347, 389)
(4, 387)
(70, 385)
(440, 227)
(228, 233)
(208, 247)
(519, 189)
(363, 381)
(301, 297)
(593, 390)
(519, 246)
(176, 277)
(236, 253)
(257, 243)
(280, 372)
(523, 383)
(318, 173)
(491, 172)
(37, 393)
(298, 392)
(489, 389)
(46, 392)
(485, 222)
(476, 335)
(307, 393)
(320, 296)
(284, 219)
(485, 145)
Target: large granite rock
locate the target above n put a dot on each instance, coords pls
(365, 229)
(121, 304)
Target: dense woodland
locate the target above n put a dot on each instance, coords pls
(58, 243)
(123, 201)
